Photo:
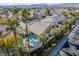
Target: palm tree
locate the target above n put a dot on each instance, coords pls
(47, 12)
(25, 15)
(55, 32)
(43, 38)
(67, 23)
(21, 49)
(65, 14)
(62, 29)
(77, 15)
(73, 14)
(14, 10)
(12, 24)
(34, 14)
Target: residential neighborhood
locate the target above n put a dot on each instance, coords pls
(38, 31)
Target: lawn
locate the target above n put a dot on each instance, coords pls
(2, 21)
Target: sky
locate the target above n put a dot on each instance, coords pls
(29, 2)
(24, 3)
(9, 2)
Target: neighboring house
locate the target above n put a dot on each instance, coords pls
(58, 18)
(22, 25)
(19, 15)
(44, 25)
(10, 14)
(3, 27)
(38, 14)
(3, 16)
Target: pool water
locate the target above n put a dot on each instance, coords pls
(33, 39)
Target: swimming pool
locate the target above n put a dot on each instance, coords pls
(33, 39)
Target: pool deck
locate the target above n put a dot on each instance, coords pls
(34, 48)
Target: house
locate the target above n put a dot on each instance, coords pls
(38, 14)
(10, 14)
(3, 27)
(22, 25)
(3, 16)
(44, 25)
(39, 27)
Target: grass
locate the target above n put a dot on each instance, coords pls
(2, 21)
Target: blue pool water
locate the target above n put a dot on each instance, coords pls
(32, 39)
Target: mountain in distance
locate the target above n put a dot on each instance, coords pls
(44, 5)
(67, 5)
(27, 6)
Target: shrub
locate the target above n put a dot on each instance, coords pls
(9, 41)
(53, 45)
(1, 33)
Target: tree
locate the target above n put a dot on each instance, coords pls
(21, 49)
(65, 14)
(14, 10)
(47, 12)
(34, 14)
(1, 33)
(67, 23)
(62, 29)
(43, 38)
(12, 24)
(55, 32)
(25, 15)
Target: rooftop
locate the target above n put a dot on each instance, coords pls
(38, 27)
(3, 27)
